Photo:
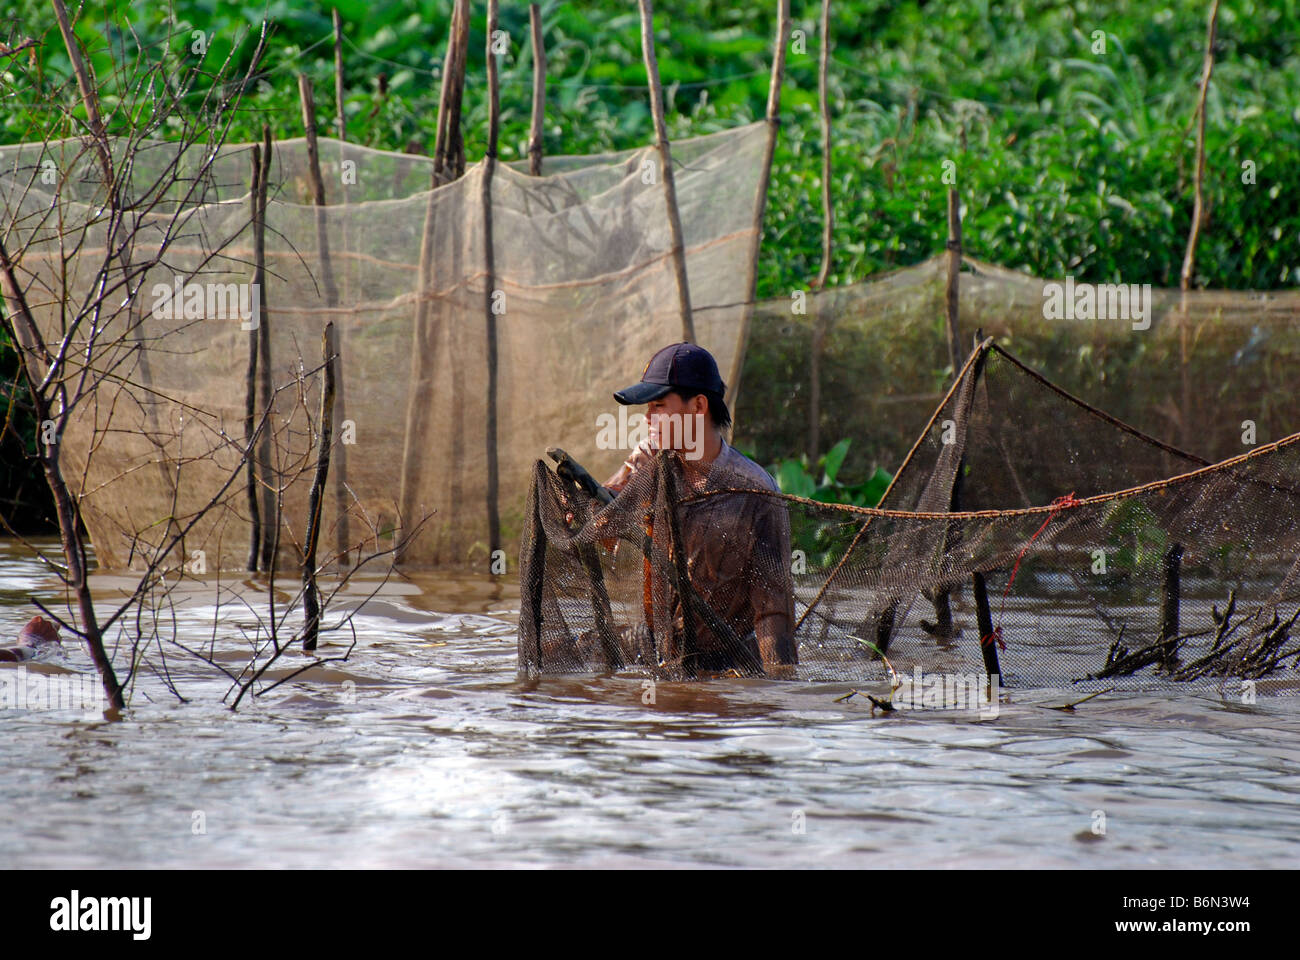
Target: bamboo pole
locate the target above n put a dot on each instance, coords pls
(489, 256)
(448, 151)
(308, 100)
(953, 287)
(666, 160)
(828, 213)
(1198, 220)
(342, 543)
(340, 124)
(450, 312)
(270, 515)
(425, 332)
(89, 95)
(310, 595)
(536, 133)
(250, 382)
(828, 226)
(760, 200)
(984, 619)
(1170, 592)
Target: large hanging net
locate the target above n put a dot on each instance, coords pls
(1209, 370)
(581, 286)
(1027, 534)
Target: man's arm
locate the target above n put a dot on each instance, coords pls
(642, 456)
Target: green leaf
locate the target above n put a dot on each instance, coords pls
(794, 479)
(833, 460)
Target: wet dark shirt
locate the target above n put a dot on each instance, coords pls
(738, 557)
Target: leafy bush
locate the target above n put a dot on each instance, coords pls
(793, 477)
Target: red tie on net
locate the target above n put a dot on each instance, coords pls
(1058, 505)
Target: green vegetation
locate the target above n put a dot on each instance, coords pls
(1073, 161)
(1068, 159)
(793, 477)
(822, 539)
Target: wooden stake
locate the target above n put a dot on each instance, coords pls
(536, 131)
(954, 272)
(424, 331)
(89, 96)
(270, 515)
(984, 619)
(448, 150)
(310, 595)
(828, 225)
(343, 546)
(1171, 595)
(828, 213)
(760, 199)
(666, 160)
(340, 125)
(308, 100)
(489, 256)
(250, 382)
(1198, 220)
(1198, 203)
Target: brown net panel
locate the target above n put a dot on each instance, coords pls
(1106, 555)
(583, 291)
(1192, 378)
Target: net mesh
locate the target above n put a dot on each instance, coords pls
(1207, 364)
(1027, 534)
(582, 289)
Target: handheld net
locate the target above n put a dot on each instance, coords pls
(1027, 534)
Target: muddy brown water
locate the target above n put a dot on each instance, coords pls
(425, 749)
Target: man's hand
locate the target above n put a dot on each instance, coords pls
(641, 456)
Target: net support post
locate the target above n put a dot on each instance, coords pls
(666, 161)
(952, 288)
(269, 511)
(250, 381)
(536, 133)
(310, 594)
(308, 100)
(340, 124)
(885, 628)
(490, 298)
(984, 618)
(1170, 601)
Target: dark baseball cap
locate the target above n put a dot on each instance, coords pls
(680, 365)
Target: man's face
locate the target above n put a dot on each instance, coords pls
(677, 424)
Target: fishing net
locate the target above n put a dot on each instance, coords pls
(1210, 373)
(1027, 534)
(580, 290)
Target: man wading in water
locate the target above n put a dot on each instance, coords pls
(737, 547)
